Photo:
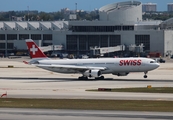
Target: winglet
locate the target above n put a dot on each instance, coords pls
(34, 50)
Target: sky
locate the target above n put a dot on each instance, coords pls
(57, 5)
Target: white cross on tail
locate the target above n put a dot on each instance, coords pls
(33, 49)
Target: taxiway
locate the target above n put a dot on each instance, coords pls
(25, 81)
(52, 114)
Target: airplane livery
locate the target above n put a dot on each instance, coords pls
(94, 67)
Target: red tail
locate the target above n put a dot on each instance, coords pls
(34, 50)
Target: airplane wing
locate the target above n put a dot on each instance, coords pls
(72, 67)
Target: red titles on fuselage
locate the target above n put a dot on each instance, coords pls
(130, 62)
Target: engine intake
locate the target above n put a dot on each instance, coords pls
(92, 73)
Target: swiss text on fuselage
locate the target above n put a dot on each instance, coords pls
(130, 62)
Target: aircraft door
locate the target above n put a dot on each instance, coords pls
(141, 65)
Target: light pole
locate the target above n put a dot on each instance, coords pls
(28, 13)
(6, 52)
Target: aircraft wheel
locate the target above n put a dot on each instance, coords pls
(99, 78)
(83, 78)
(102, 77)
(145, 76)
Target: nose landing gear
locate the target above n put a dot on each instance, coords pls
(145, 76)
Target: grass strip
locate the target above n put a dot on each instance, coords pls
(87, 104)
(144, 90)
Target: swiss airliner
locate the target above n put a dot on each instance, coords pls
(90, 67)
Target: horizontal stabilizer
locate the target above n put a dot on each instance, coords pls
(25, 62)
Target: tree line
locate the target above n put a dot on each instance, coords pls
(44, 16)
(157, 16)
(81, 15)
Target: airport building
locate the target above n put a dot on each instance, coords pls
(149, 7)
(119, 24)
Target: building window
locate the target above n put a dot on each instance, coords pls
(36, 36)
(71, 42)
(23, 36)
(10, 46)
(2, 36)
(100, 28)
(47, 44)
(117, 28)
(114, 40)
(128, 27)
(47, 36)
(103, 40)
(11, 36)
(2, 45)
(93, 41)
(143, 39)
(83, 42)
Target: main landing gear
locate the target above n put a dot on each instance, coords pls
(86, 78)
(82, 78)
(100, 78)
(145, 76)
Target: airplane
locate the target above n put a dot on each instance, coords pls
(93, 67)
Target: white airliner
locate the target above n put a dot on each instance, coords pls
(90, 67)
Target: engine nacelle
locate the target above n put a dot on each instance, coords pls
(121, 74)
(92, 73)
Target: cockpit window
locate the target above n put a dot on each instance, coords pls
(152, 61)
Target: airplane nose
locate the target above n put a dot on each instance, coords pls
(157, 65)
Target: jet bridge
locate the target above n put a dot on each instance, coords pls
(51, 48)
(100, 51)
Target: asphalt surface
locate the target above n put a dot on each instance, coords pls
(24, 81)
(69, 89)
(53, 114)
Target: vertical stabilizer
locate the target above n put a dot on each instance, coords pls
(34, 50)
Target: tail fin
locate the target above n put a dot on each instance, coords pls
(34, 50)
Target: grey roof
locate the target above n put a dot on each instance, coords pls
(33, 25)
(152, 22)
(168, 21)
(119, 5)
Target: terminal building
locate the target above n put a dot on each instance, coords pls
(119, 24)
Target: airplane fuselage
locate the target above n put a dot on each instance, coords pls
(112, 65)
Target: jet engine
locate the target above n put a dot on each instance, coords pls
(92, 73)
(121, 74)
